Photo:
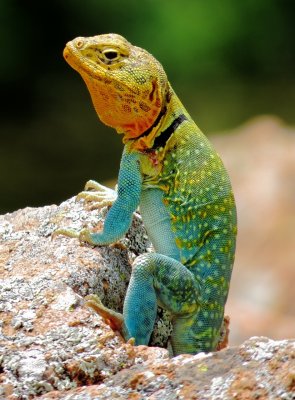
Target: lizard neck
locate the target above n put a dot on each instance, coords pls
(173, 114)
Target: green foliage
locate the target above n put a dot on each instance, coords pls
(227, 60)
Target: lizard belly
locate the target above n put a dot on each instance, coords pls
(157, 222)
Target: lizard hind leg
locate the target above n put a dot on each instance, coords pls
(114, 319)
(159, 279)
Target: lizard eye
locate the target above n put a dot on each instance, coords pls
(110, 54)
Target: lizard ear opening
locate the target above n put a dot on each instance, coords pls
(156, 97)
(160, 91)
(152, 93)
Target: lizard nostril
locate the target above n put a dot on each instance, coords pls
(79, 43)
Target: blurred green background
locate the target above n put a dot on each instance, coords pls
(227, 60)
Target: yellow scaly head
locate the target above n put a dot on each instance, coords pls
(127, 85)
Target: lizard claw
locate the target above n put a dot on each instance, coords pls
(95, 186)
(84, 235)
(131, 341)
(97, 193)
(112, 318)
(65, 232)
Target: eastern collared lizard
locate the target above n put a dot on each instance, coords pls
(170, 170)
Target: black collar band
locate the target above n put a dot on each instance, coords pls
(157, 120)
(162, 139)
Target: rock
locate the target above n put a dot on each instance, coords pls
(48, 339)
(259, 369)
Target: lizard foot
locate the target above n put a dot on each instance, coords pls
(65, 232)
(112, 318)
(99, 195)
(84, 235)
(224, 334)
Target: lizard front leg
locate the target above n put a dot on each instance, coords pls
(119, 217)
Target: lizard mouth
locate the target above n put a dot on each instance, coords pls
(80, 63)
(75, 59)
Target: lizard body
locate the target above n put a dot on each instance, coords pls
(170, 170)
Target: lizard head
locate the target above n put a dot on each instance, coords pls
(127, 84)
